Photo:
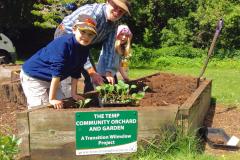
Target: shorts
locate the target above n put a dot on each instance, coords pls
(37, 91)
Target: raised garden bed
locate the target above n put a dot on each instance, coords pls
(50, 134)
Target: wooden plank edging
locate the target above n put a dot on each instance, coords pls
(23, 133)
(192, 113)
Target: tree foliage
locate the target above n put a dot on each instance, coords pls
(151, 16)
(50, 13)
(163, 23)
(200, 25)
(15, 14)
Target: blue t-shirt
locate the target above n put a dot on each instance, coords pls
(62, 57)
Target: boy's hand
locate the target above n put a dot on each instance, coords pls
(77, 97)
(58, 104)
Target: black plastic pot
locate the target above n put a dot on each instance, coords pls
(116, 104)
(207, 133)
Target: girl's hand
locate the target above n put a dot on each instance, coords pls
(110, 78)
(57, 104)
(77, 97)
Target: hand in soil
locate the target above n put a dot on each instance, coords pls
(57, 104)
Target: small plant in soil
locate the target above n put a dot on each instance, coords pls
(120, 93)
(83, 102)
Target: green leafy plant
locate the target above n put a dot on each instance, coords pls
(119, 93)
(9, 147)
(83, 102)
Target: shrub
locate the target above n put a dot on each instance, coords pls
(141, 56)
(177, 32)
(226, 53)
(164, 57)
(163, 62)
(184, 51)
(9, 147)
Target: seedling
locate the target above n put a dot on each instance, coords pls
(138, 96)
(119, 93)
(83, 102)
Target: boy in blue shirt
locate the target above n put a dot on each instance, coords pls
(63, 57)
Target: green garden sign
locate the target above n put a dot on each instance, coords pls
(106, 132)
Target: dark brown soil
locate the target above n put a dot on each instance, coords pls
(166, 89)
(8, 112)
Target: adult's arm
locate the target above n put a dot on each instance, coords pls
(108, 52)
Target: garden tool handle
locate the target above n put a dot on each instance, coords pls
(210, 51)
(219, 26)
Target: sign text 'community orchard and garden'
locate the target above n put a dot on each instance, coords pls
(106, 132)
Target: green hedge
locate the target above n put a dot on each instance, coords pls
(176, 56)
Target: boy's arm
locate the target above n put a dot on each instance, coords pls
(74, 94)
(53, 93)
